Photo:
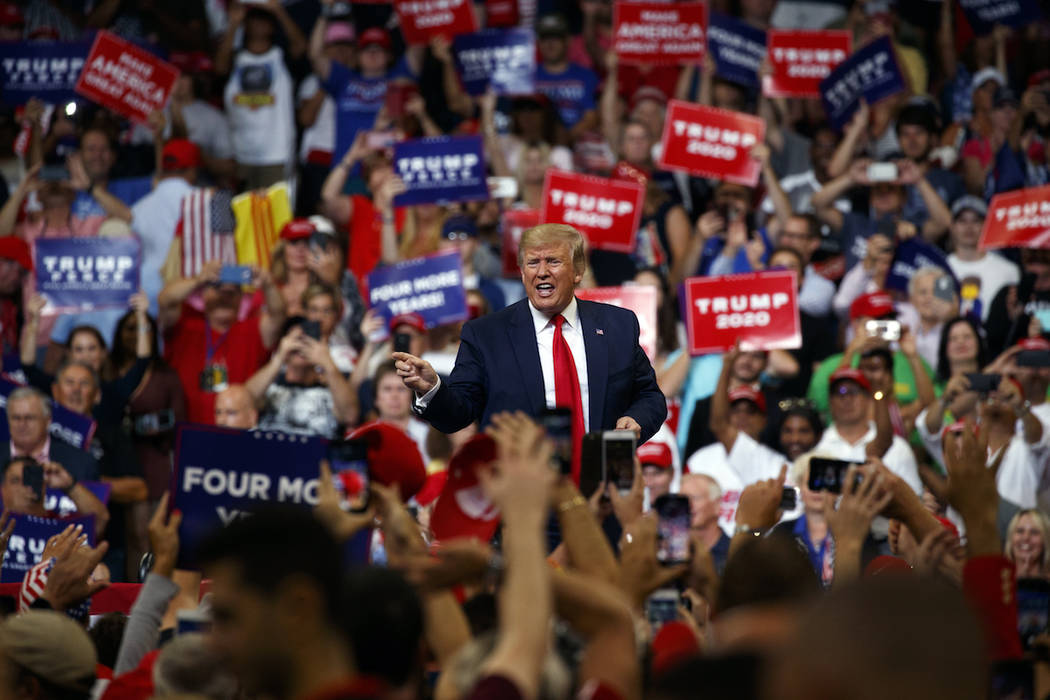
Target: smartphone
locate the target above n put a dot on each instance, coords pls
(661, 607)
(591, 470)
(380, 140)
(235, 274)
(54, 173)
(33, 477)
(155, 423)
(984, 383)
(618, 458)
(190, 621)
(1012, 680)
(672, 529)
(887, 330)
(789, 498)
(827, 474)
(882, 172)
(1033, 609)
(1025, 287)
(557, 422)
(402, 342)
(349, 462)
(1033, 358)
(311, 329)
(397, 96)
(500, 187)
(320, 240)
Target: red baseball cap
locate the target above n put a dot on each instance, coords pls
(393, 457)
(657, 454)
(11, 15)
(180, 154)
(849, 374)
(673, 644)
(463, 509)
(874, 305)
(375, 35)
(746, 393)
(1039, 77)
(410, 319)
(1034, 344)
(14, 248)
(297, 229)
(648, 92)
(191, 61)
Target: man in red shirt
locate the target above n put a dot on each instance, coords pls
(212, 350)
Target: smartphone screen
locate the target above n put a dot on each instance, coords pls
(618, 458)
(311, 329)
(235, 274)
(661, 607)
(984, 383)
(886, 330)
(557, 422)
(33, 477)
(189, 621)
(402, 342)
(828, 474)
(789, 498)
(1033, 609)
(349, 462)
(672, 530)
(1033, 358)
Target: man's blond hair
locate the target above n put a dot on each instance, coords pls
(546, 234)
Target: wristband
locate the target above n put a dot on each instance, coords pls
(566, 506)
(741, 528)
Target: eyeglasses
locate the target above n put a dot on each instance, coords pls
(847, 391)
(457, 235)
(795, 404)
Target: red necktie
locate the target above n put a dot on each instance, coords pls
(567, 391)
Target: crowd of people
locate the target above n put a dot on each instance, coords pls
(934, 381)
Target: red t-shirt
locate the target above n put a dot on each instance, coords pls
(240, 351)
(365, 228)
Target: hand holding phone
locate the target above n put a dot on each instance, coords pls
(350, 472)
(983, 383)
(886, 330)
(403, 343)
(557, 422)
(672, 530)
(618, 448)
(827, 474)
(235, 274)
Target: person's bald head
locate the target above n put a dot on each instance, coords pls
(234, 408)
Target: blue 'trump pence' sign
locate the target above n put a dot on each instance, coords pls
(44, 69)
(77, 274)
(29, 538)
(431, 286)
(871, 73)
(440, 169)
(502, 58)
(983, 15)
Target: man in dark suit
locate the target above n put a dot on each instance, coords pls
(512, 359)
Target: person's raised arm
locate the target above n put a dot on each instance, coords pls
(609, 101)
(337, 206)
(940, 218)
(520, 487)
(758, 509)
(497, 158)
(721, 427)
(384, 202)
(1010, 392)
(57, 477)
(296, 40)
(585, 542)
(371, 323)
(9, 212)
(883, 425)
(781, 204)
(224, 54)
(684, 85)
(824, 199)
(707, 79)
(851, 138)
(259, 382)
(946, 41)
(927, 395)
(113, 207)
(27, 344)
(321, 64)
(175, 292)
(345, 407)
(273, 311)
(851, 521)
(456, 97)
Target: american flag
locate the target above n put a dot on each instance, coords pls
(206, 230)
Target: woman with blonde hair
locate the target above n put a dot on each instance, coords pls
(1026, 538)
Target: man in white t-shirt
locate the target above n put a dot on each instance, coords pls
(851, 436)
(981, 274)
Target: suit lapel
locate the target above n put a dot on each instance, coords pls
(597, 361)
(522, 336)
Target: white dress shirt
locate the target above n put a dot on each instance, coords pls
(572, 331)
(899, 459)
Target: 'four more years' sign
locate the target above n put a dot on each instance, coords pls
(871, 73)
(84, 274)
(759, 309)
(711, 142)
(126, 79)
(440, 169)
(430, 286)
(983, 15)
(1018, 219)
(423, 19)
(29, 538)
(800, 60)
(221, 474)
(660, 32)
(606, 211)
(737, 47)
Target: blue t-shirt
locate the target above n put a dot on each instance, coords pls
(357, 101)
(127, 189)
(571, 91)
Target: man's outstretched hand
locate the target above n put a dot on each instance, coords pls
(417, 374)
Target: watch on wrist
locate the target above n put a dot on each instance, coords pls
(742, 528)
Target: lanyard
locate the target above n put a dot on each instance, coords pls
(210, 347)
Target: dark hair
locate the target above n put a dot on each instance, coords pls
(944, 368)
(25, 459)
(106, 635)
(68, 363)
(806, 413)
(882, 353)
(381, 371)
(384, 624)
(767, 570)
(666, 313)
(920, 115)
(275, 543)
(790, 251)
(723, 677)
(91, 330)
(119, 356)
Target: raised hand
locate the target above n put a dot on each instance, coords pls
(416, 373)
(640, 571)
(164, 537)
(329, 510)
(69, 581)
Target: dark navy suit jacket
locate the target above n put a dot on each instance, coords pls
(498, 369)
(79, 463)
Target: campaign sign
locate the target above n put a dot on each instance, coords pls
(513, 223)
(801, 59)
(86, 274)
(47, 70)
(56, 501)
(871, 73)
(66, 425)
(423, 19)
(760, 309)
(638, 298)
(711, 142)
(222, 474)
(504, 59)
(606, 211)
(911, 256)
(659, 33)
(125, 78)
(501, 13)
(430, 286)
(440, 169)
(983, 15)
(29, 538)
(737, 47)
(1018, 219)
